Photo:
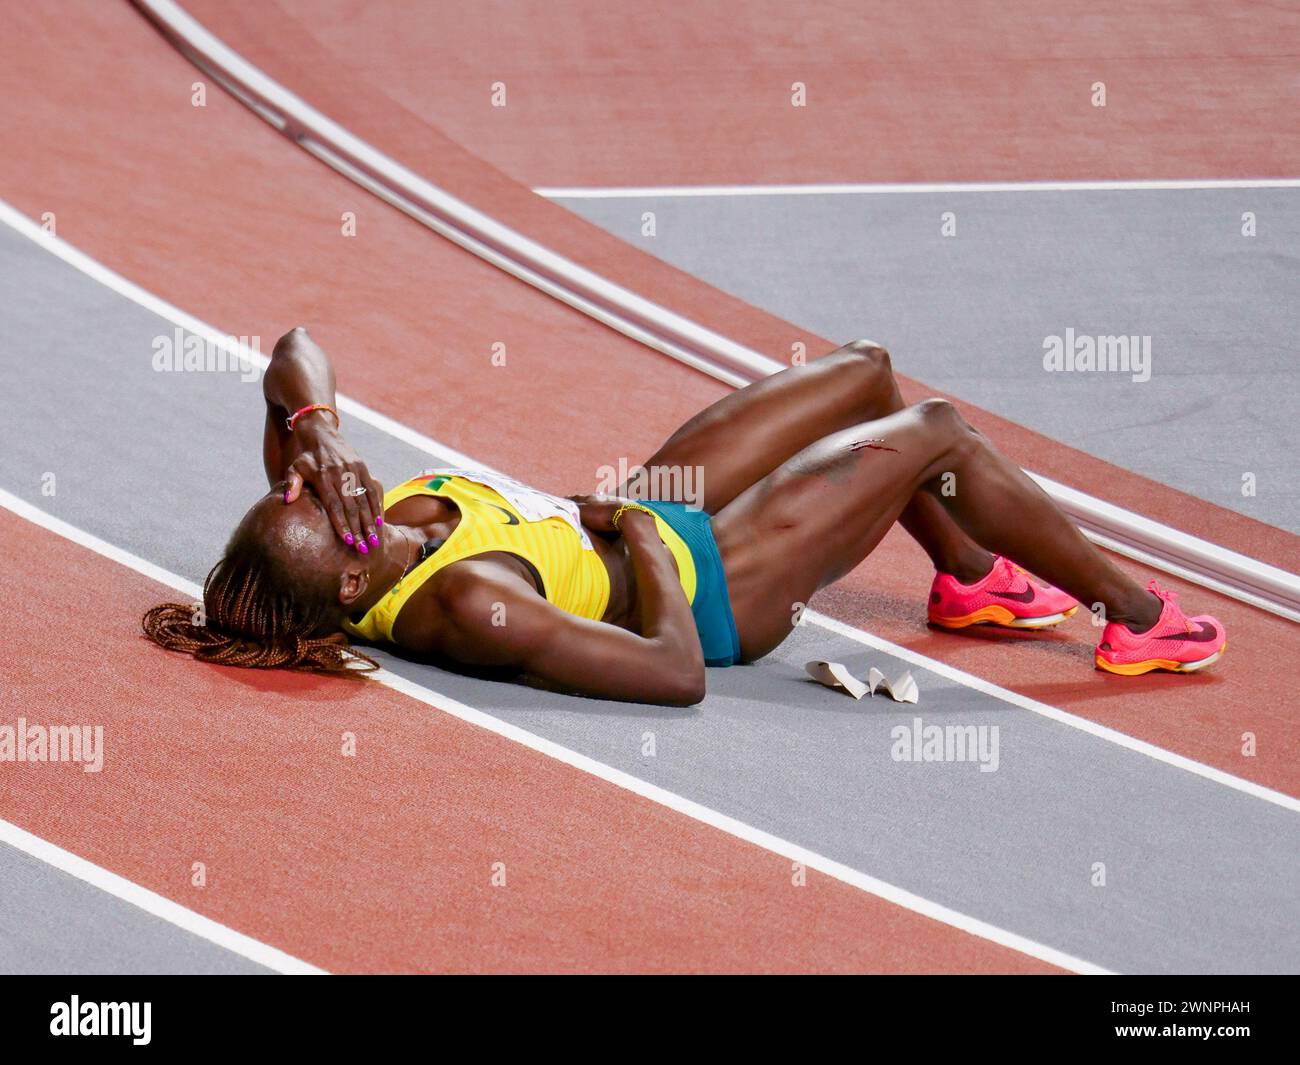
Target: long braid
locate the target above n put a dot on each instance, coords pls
(254, 619)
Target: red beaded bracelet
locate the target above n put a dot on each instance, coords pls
(292, 420)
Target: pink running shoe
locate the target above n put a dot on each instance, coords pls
(1176, 642)
(1006, 596)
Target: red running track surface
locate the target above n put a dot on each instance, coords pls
(284, 47)
(923, 90)
(212, 210)
(1193, 721)
(383, 861)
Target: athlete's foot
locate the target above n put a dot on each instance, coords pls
(1175, 642)
(1138, 613)
(970, 567)
(1005, 596)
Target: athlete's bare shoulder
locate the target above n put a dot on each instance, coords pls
(463, 611)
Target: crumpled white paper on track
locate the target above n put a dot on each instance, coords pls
(901, 689)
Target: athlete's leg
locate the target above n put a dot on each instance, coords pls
(748, 434)
(819, 514)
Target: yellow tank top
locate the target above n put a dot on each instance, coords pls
(499, 514)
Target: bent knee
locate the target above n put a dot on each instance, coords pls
(946, 433)
(869, 352)
(942, 415)
(864, 367)
(937, 409)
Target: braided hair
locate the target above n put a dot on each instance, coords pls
(256, 617)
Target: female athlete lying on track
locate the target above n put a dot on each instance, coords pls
(802, 475)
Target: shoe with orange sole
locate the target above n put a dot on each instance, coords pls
(1175, 643)
(1006, 596)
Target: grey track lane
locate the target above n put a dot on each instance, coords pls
(968, 313)
(51, 922)
(1199, 876)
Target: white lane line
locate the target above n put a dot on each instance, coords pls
(445, 454)
(272, 958)
(154, 904)
(679, 803)
(97, 876)
(620, 308)
(1053, 713)
(528, 276)
(647, 191)
(97, 271)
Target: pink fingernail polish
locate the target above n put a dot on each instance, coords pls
(374, 539)
(286, 497)
(379, 521)
(361, 546)
(348, 538)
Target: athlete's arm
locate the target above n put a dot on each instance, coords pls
(487, 618)
(315, 453)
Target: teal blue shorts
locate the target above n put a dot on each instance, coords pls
(712, 607)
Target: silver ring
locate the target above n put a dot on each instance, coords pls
(357, 492)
